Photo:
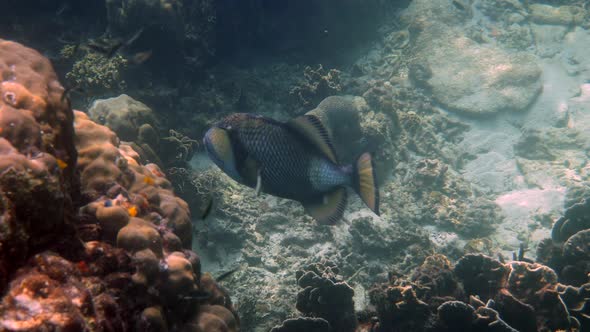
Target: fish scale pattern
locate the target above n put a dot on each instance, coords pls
(285, 160)
(325, 176)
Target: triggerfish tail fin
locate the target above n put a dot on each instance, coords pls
(329, 208)
(365, 181)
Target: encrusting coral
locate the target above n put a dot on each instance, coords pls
(94, 240)
(37, 158)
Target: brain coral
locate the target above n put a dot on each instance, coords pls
(69, 192)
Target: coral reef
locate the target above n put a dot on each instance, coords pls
(136, 123)
(325, 296)
(177, 149)
(70, 192)
(303, 324)
(318, 84)
(450, 183)
(567, 250)
(520, 296)
(326, 301)
(38, 158)
(441, 197)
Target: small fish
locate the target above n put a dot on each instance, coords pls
(294, 160)
(132, 210)
(97, 46)
(459, 4)
(199, 295)
(149, 180)
(113, 49)
(207, 210)
(141, 57)
(62, 9)
(69, 90)
(226, 274)
(119, 44)
(134, 37)
(109, 49)
(61, 164)
(163, 266)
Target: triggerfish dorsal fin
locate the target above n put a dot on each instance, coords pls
(311, 128)
(365, 181)
(329, 208)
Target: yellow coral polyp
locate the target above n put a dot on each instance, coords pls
(132, 210)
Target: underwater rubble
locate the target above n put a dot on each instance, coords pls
(92, 239)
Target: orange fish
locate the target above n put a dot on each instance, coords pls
(61, 164)
(132, 211)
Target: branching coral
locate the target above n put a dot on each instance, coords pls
(177, 148)
(97, 72)
(318, 84)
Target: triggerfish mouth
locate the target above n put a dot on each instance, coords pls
(294, 160)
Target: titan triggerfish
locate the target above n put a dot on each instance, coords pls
(294, 160)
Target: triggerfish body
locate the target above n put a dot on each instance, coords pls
(294, 160)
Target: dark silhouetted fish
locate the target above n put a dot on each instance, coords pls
(294, 160)
(110, 47)
(140, 57)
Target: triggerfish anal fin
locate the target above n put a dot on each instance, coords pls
(365, 181)
(258, 182)
(311, 128)
(250, 172)
(330, 208)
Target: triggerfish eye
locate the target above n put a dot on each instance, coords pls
(219, 148)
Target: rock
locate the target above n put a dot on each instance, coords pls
(563, 15)
(501, 10)
(548, 38)
(478, 79)
(428, 11)
(123, 115)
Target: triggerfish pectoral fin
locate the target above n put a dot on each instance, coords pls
(365, 181)
(329, 208)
